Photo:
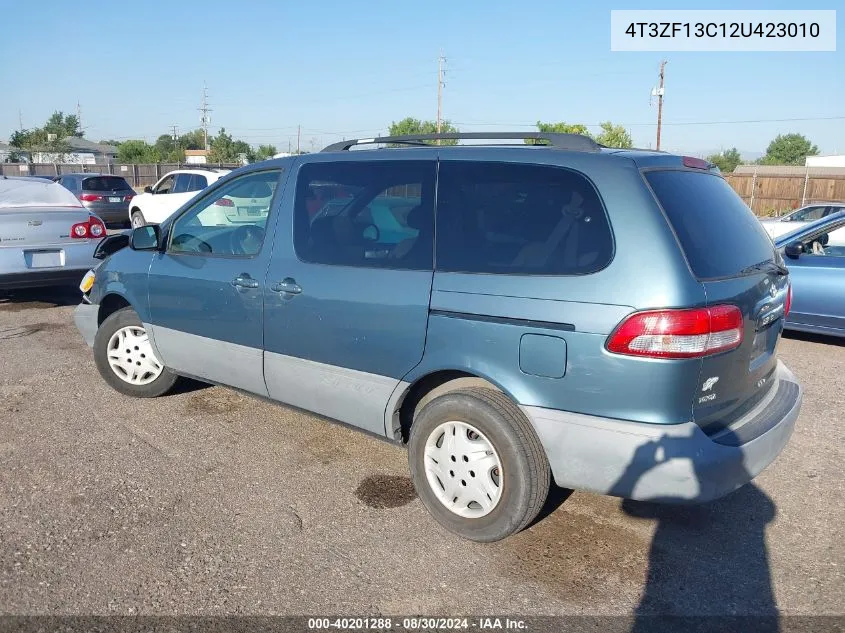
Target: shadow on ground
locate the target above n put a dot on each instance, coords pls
(39, 298)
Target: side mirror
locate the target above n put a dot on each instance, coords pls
(371, 233)
(148, 189)
(145, 238)
(793, 250)
(111, 244)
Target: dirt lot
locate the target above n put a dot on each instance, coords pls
(210, 502)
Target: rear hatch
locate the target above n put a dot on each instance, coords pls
(733, 257)
(106, 193)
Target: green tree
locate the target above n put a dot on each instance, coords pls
(137, 151)
(726, 160)
(111, 141)
(558, 128)
(789, 149)
(195, 139)
(63, 125)
(614, 136)
(409, 126)
(169, 150)
(265, 151)
(225, 149)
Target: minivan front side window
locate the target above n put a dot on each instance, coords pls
(230, 221)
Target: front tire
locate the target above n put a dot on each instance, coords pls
(125, 358)
(137, 219)
(477, 464)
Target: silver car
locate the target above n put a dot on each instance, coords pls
(47, 238)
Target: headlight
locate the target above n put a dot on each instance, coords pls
(87, 282)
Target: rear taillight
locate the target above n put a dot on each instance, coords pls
(90, 197)
(224, 202)
(128, 197)
(696, 163)
(787, 306)
(678, 333)
(91, 229)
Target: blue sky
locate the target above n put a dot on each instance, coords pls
(350, 68)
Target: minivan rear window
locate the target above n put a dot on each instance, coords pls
(719, 234)
(105, 183)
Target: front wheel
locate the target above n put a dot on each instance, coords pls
(125, 358)
(477, 464)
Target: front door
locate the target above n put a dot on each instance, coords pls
(206, 289)
(346, 301)
(818, 288)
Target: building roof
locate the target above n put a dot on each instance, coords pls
(788, 170)
(84, 145)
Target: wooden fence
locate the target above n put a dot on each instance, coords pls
(776, 195)
(136, 175)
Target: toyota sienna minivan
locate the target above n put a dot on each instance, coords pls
(516, 315)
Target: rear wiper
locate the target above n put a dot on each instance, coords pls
(768, 265)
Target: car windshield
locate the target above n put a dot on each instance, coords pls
(831, 221)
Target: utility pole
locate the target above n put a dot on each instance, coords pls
(175, 129)
(658, 92)
(79, 116)
(441, 72)
(298, 134)
(205, 119)
(20, 119)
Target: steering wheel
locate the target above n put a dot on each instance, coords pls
(246, 239)
(191, 244)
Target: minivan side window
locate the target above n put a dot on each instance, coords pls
(230, 221)
(519, 219)
(165, 185)
(373, 214)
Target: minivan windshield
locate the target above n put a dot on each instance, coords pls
(719, 234)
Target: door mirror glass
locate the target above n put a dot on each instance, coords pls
(371, 233)
(145, 238)
(793, 250)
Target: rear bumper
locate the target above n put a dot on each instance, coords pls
(675, 463)
(85, 319)
(111, 214)
(78, 259)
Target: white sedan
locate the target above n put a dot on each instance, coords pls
(776, 227)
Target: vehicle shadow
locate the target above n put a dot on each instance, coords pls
(708, 564)
(39, 298)
(823, 339)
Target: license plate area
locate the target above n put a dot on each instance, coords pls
(115, 199)
(44, 258)
(250, 211)
(765, 343)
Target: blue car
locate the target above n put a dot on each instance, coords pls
(513, 314)
(816, 262)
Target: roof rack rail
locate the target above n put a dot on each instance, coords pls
(574, 142)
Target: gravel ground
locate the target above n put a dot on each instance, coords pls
(209, 502)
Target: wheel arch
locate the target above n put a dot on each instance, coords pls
(411, 396)
(109, 304)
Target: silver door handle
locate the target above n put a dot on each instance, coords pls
(287, 286)
(245, 281)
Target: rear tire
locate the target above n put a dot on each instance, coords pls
(137, 219)
(500, 459)
(126, 360)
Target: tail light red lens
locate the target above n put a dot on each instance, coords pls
(695, 163)
(787, 306)
(90, 197)
(224, 202)
(678, 333)
(91, 229)
(128, 197)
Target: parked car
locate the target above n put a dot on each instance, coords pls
(803, 216)
(608, 317)
(105, 195)
(47, 237)
(176, 188)
(817, 271)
